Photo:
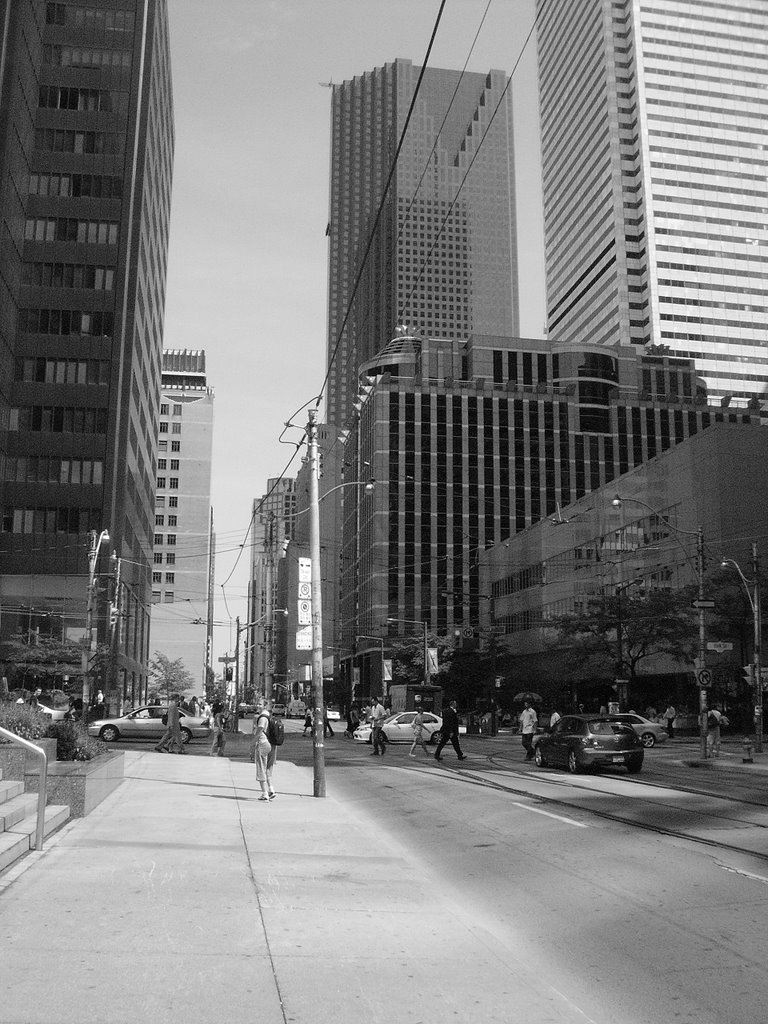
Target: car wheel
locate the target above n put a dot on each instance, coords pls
(186, 736)
(539, 758)
(109, 734)
(434, 739)
(634, 765)
(573, 764)
(649, 740)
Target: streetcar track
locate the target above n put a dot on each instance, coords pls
(465, 774)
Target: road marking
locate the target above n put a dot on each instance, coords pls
(549, 814)
(744, 874)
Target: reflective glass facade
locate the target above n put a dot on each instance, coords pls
(442, 254)
(654, 134)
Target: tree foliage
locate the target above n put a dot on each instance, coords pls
(170, 677)
(408, 657)
(659, 622)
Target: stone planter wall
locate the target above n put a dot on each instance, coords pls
(16, 761)
(81, 784)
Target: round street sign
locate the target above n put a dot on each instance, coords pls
(704, 678)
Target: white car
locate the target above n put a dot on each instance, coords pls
(397, 728)
(54, 714)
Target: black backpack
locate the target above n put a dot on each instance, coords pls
(275, 731)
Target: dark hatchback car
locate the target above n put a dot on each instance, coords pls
(579, 742)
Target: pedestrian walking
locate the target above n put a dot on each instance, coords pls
(376, 716)
(307, 721)
(554, 718)
(353, 720)
(670, 715)
(264, 751)
(219, 739)
(419, 734)
(327, 729)
(172, 736)
(450, 731)
(714, 721)
(528, 722)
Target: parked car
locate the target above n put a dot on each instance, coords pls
(580, 742)
(397, 728)
(296, 709)
(54, 714)
(146, 723)
(649, 732)
(279, 710)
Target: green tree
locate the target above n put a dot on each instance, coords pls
(659, 622)
(408, 657)
(43, 660)
(170, 677)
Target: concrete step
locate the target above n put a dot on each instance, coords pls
(10, 789)
(55, 816)
(12, 848)
(16, 809)
(20, 837)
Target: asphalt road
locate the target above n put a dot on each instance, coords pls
(643, 899)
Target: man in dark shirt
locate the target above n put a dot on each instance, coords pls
(450, 731)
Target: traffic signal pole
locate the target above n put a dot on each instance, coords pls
(318, 701)
(757, 653)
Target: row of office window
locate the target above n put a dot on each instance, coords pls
(68, 275)
(58, 97)
(58, 420)
(170, 558)
(170, 577)
(175, 427)
(70, 229)
(172, 520)
(89, 17)
(48, 520)
(163, 464)
(172, 483)
(66, 321)
(85, 57)
(175, 446)
(42, 469)
(63, 371)
(76, 186)
(168, 538)
(165, 407)
(64, 140)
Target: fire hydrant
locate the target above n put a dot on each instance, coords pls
(747, 758)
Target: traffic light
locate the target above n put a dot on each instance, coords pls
(114, 612)
(228, 674)
(748, 673)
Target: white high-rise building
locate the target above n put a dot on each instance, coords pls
(654, 120)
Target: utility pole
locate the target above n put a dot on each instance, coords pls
(318, 702)
(702, 643)
(427, 670)
(757, 652)
(94, 543)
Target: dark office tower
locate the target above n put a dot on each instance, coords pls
(86, 164)
(442, 254)
(654, 127)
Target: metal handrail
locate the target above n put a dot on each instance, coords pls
(42, 794)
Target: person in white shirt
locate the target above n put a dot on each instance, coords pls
(554, 719)
(528, 722)
(376, 717)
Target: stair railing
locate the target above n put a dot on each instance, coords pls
(42, 793)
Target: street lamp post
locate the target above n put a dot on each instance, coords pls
(700, 604)
(754, 601)
(94, 544)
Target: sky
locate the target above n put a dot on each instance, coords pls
(247, 268)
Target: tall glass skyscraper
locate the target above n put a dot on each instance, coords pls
(654, 120)
(442, 255)
(86, 159)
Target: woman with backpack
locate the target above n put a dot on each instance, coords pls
(264, 751)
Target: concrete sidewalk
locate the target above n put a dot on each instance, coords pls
(183, 897)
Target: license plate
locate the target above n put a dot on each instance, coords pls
(618, 760)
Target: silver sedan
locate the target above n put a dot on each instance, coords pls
(147, 724)
(649, 732)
